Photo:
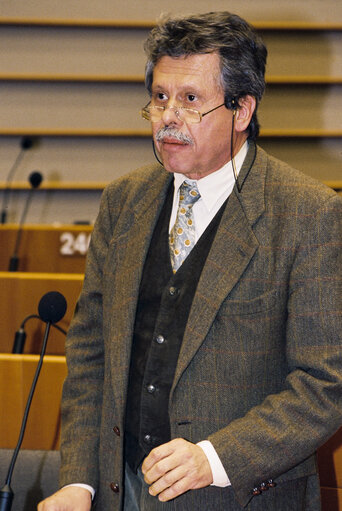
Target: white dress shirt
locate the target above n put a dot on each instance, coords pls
(214, 190)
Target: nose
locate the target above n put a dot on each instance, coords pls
(170, 116)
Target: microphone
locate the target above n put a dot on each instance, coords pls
(25, 144)
(35, 178)
(51, 309)
(20, 335)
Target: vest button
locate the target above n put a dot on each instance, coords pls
(116, 430)
(147, 439)
(151, 388)
(160, 339)
(114, 487)
(173, 291)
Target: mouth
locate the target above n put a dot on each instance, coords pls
(173, 141)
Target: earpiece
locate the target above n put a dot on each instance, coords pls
(231, 104)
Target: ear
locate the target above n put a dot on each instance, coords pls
(244, 112)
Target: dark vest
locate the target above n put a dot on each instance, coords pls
(163, 307)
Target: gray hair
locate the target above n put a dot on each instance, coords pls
(242, 53)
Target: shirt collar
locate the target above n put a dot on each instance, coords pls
(221, 180)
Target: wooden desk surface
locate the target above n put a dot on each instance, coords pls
(46, 248)
(20, 293)
(43, 425)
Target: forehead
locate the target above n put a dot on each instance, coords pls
(199, 69)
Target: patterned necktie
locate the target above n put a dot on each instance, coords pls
(182, 235)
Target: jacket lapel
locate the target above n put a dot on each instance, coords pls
(232, 249)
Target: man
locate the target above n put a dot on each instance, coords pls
(204, 356)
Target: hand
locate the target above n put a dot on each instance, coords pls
(71, 498)
(176, 467)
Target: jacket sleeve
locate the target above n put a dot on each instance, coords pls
(82, 391)
(276, 436)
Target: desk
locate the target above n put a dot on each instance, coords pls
(20, 294)
(43, 425)
(46, 248)
(330, 471)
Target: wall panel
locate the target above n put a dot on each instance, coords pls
(319, 10)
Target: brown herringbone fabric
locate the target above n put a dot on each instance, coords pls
(259, 371)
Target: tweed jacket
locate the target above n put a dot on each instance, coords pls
(259, 371)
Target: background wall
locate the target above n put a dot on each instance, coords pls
(71, 76)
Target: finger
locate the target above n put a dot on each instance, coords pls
(178, 488)
(160, 469)
(157, 454)
(181, 480)
(67, 499)
(172, 453)
(166, 481)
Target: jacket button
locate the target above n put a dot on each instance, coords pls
(147, 439)
(114, 487)
(264, 487)
(151, 388)
(116, 430)
(271, 483)
(256, 491)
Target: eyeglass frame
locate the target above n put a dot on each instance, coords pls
(144, 111)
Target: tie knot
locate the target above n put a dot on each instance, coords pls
(188, 193)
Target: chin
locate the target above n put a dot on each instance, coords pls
(175, 166)
(177, 169)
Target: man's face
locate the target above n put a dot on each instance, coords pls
(193, 82)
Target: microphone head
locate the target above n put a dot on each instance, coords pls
(26, 143)
(35, 178)
(52, 307)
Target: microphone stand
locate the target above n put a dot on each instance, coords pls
(6, 493)
(20, 335)
(14, 261)
(35, 180)
(8, 187)
(26, 144)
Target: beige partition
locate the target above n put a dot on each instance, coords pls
(43, 426)
(20, 294)
(74, 82)
(46, 248)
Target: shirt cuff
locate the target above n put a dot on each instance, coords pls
(85, 486)
(220, 477)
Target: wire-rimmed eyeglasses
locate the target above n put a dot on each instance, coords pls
(154, 113)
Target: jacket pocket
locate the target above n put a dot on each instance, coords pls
(259, 304)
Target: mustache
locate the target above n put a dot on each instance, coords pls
(174, 133)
